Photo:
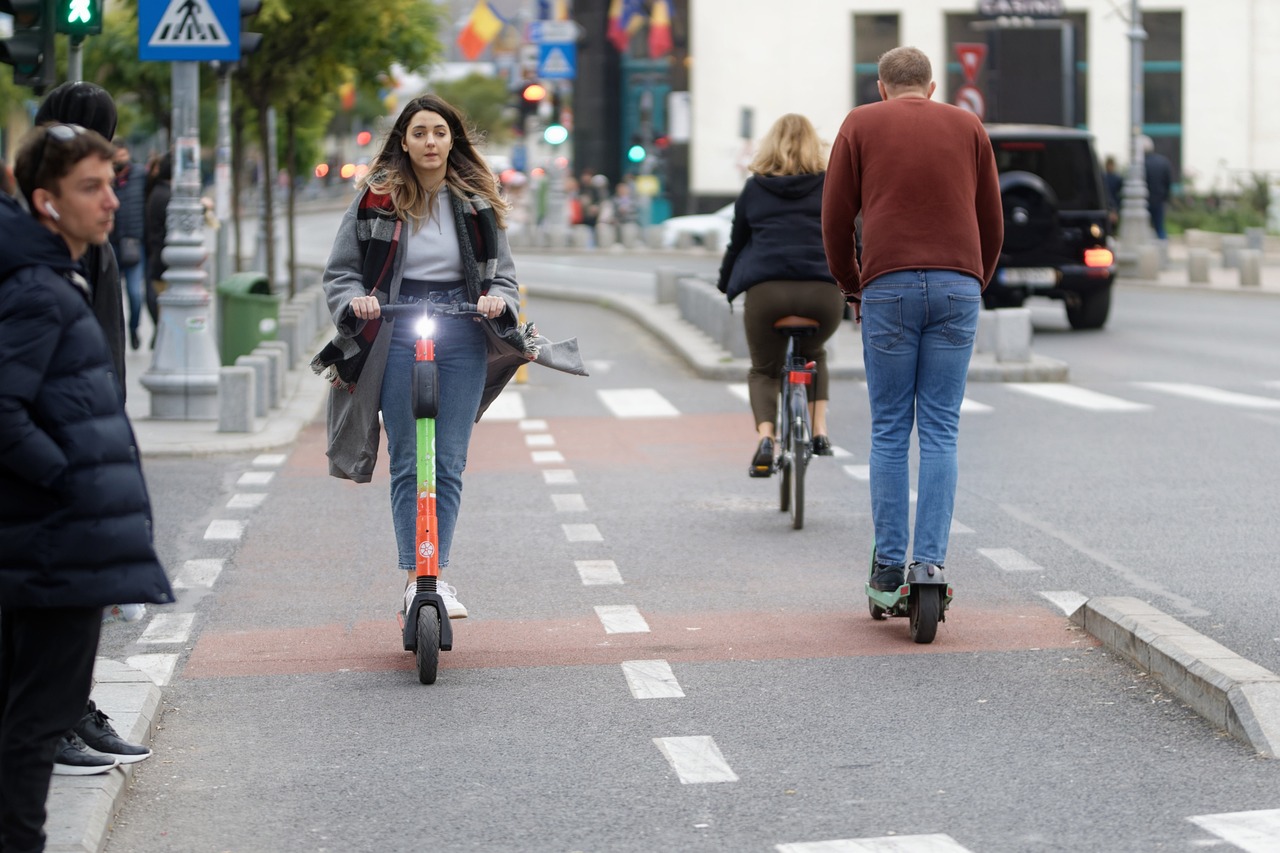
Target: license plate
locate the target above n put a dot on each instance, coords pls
(1029, 275)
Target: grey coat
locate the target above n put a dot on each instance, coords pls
(353, 415)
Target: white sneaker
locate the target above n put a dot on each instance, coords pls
(447, 594)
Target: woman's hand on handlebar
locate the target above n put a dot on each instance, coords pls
(366, 307)
(491, 306)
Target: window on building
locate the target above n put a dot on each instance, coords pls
(873, 35)
(1162, 84)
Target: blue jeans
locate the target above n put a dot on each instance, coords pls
(461, 355)
(133, 289)
(918, 328)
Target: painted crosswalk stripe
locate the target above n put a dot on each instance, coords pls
(1080, 398)
(957, 527)
(1009, 560)
(543, 457)
(224, 528)
(168, 628)
(582, 533)
(246, 500)
(598, 572)
(159, 668)
(255, 478)
(569, 503)
(938, 843)
(651, 679)
(1218, 396)
(1253, 832)
(1066, 600)
(621, 619)
(636, 403)
(559, 477)
(696, 760)
(863, 473)
(541, 439)
(508, 406)
(198, 574)
(269, 460)
(973, 407)
(533, 425)
(740, 390)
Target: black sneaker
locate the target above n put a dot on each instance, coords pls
(73, 758)
(762, 462)
(888, 578)
(98, 734)
(822, 446)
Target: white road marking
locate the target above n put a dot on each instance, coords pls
(651, 679)
(839, 452)
(636, 403)
(224, 528)
(569, 503)
(198, 574)
(1009, 560)
(1212, 395)
(1066, 600)
(168, 628)
(246, 500)
(957, 527)
(1081, 398)
(696, 759)
(598, 366)
(269, 460)
(541, 439)
(974, 407)
(255, 478)
(506, 407)
(621, 619)
(938, 843)
(542, 457)
(559, 477)
(1253, 832)
(582, 533)
(533, 426)
(740, 390)
(859, 472)
(598, 572)
(159, 668)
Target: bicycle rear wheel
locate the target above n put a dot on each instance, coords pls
(799, 456)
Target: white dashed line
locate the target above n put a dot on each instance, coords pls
(224, 528)
(1253, 832)
(889, 844)
(637, 403)
(1080, 398)
(1212, 395)
(269, 460)
(651, 679)
(621, 619)
(1066, 600)
(957, 527)
(246, 500)
(859, 472)
(1009, 560)
(533, 426)
(559, 477)
(168, 628)
(544, 457)
(542, 439)
(255, 478)
(968, 406)
(569, 503)
(198, 574)
(740, 390)
(598, 572)
(696, 760)
(582, 533)
(159, 668)
(509, 406)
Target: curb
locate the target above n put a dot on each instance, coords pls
(1231, 692)
(81, 808)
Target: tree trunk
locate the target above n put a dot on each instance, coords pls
(291, 166)
(237, 181)
(268, 193)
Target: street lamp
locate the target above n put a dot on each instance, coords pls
(1135, 222)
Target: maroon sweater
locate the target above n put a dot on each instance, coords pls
(923, 175)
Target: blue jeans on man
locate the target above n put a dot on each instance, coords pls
(918, 329)
(460, 354)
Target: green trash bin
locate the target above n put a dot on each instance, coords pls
(248, 314)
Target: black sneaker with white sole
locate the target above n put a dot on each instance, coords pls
(73, 758)
(96, 731)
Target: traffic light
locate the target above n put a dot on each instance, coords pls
(531, 96)
(249, 42)
(79, 18)
(30, 49)
(636, 152)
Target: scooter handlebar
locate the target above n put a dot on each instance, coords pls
(417, 309)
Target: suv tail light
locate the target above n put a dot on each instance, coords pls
(1098, 258)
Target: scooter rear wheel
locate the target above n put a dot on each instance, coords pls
(923, 608)
(428, 651)
(878, 613)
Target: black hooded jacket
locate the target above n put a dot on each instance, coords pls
(75, 519)
(777, 234)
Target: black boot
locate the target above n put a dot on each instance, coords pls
(762, 463)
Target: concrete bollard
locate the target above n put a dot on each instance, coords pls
(985, 342)
(664, 284)
(713, 241)
(235, 399)
(652, 236)
(555, 238)
(1250, 268)
(1254, 238)
(735, 337)
(1149, 262)
(1198, 266)
(1195, 238)
(261, 379)
(580, 237)
(606, 235)
(288, 333)
(1013, 335)
(630, 235)
(686, 292)
(520, 238)
(280, 370)
(1232, 244)
(684, 240)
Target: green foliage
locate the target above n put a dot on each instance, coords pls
(483, 99)
(1225, 213)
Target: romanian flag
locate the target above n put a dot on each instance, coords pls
(482, 28)
(660, 29)
(553, 10)
(625, 17)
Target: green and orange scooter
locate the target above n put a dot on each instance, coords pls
(923, 598)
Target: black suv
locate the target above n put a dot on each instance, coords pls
(1055, 222)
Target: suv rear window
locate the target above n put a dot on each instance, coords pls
(1067, 165)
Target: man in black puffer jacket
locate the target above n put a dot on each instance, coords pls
(75, 518)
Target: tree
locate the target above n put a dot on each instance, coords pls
(483, 99)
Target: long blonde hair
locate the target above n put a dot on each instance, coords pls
(466, 173)
(791, 147)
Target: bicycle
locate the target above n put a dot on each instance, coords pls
(425, 622)
(794, 428)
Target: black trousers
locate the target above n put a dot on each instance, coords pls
(46, 673)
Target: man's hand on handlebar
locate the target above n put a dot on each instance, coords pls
(491, 306)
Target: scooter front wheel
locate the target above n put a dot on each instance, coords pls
(878, 613)
(924, 607)
(428, 651)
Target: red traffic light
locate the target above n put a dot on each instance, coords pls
(534, 92)
(662, 141)
(364, 137)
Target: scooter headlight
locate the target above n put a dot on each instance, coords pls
(424, 327)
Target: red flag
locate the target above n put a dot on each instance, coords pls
(625, 17)
(660, 29)
(482, 27)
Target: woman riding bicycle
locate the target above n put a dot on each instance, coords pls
(775, 255)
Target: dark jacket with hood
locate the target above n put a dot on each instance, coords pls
(75, 520)
(777, 234)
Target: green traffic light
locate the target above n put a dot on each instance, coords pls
(555, 134)
(79, 17)
(636, 153)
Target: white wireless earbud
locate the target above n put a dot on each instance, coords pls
(48, 207)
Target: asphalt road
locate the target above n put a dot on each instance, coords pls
(294, 721)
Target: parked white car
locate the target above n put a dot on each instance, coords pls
(699, 226)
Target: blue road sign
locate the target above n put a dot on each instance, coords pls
(557, 61)
(188, 30)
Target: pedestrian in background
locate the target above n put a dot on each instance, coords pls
(73, 502)
(126, 237)
(923, 176)
(429, 224)
(775, 256)
(154, 230)
(1115, 189)
(1159, 173)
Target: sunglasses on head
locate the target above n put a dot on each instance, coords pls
(59, 133)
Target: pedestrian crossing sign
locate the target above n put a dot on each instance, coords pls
(557, 61)
(188, 30)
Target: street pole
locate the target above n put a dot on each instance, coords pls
(1135, 222)
(222, 172)
(183, 378)
(75, 60)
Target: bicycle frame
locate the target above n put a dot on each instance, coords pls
(793, 418)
